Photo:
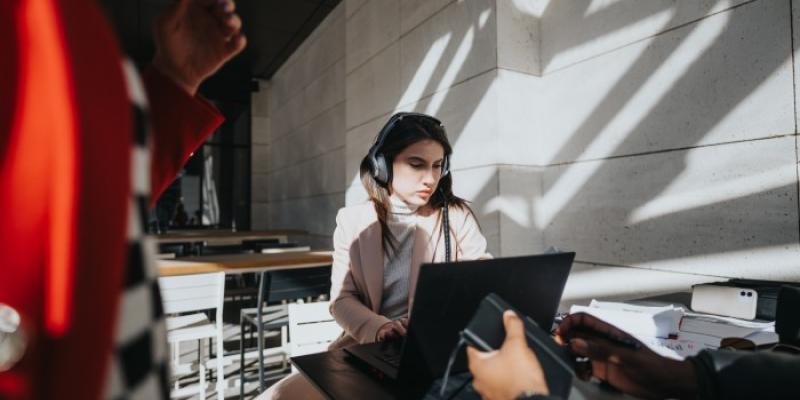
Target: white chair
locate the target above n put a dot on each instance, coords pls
(187, 293)
(277, 287)
(311, 328)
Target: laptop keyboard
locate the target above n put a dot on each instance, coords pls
(392, 359)
(391, 352)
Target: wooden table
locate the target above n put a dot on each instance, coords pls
(336, 376)
(225, 237)
(242, 263)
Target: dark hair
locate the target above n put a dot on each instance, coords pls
(406, 132)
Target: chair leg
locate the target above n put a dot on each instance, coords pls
(199, 348)
(284, 346)
(175, 360)
(210, 356)
(260, 328)
(221, 383)
(201, 370)
(241, 358)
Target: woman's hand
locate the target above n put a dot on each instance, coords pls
(391, 330)
(510, 371)
(638, 371)
(194, 38)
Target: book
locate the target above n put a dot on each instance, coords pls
(644, 321)
(722, 327)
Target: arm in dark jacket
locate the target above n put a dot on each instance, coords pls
(724, 374)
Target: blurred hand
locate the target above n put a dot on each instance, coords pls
(510, 371)
(391, 330)
(194, 38)
(640, 372)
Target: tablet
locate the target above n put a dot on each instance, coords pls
(485, 331)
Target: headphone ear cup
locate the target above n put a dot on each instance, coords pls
(381, 172)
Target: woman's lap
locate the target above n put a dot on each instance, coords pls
(294, 386)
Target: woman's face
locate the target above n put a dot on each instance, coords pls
(416, 172)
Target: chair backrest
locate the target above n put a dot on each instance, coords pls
(180, 249)
(207, 249)
(293, 284)
(186, 293)
(258, 244)
(311, 328)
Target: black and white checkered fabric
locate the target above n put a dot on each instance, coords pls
(139, 364)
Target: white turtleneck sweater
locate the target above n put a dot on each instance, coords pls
(402, 222)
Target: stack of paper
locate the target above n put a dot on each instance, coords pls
(677, 349)
(655, 327)
(673, 332)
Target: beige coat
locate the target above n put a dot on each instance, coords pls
(357, 276)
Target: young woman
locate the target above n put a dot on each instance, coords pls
(380, 244)
(412, 217)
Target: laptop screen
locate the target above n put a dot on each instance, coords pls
(448, 294)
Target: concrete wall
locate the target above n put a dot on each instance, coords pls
(659, 135)
(298, 138)
(656, 139)
(438, 57)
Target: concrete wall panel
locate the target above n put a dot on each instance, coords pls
(324, 92)
(260, 102)
(326, 132)
(371, 29)
(455, 44)
(573, 31)
(519, 35)
(260, 158)
(725, 78)
(469, 113)
(415, 12)
(727, 210)
(373, 88)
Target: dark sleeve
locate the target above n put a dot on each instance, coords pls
(724, 374)
(180, 122)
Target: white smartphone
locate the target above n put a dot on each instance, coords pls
(725, 300)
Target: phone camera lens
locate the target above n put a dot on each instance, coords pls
(742, 293)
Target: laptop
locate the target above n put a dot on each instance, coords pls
(447, 296)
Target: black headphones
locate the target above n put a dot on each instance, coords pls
(382, 171)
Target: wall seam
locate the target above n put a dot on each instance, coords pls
(313, 196)
(535, 166)
(498, 170)
(306, 160)
(307, 122)
(669, 150)
(465, 80)
(426, 19)
(303, 87)
(400, 36)
(794, 103)
(353, 14)
(601, 264)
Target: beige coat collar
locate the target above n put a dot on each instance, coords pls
(371, 254)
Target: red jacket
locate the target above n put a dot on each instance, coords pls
(65, 180)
